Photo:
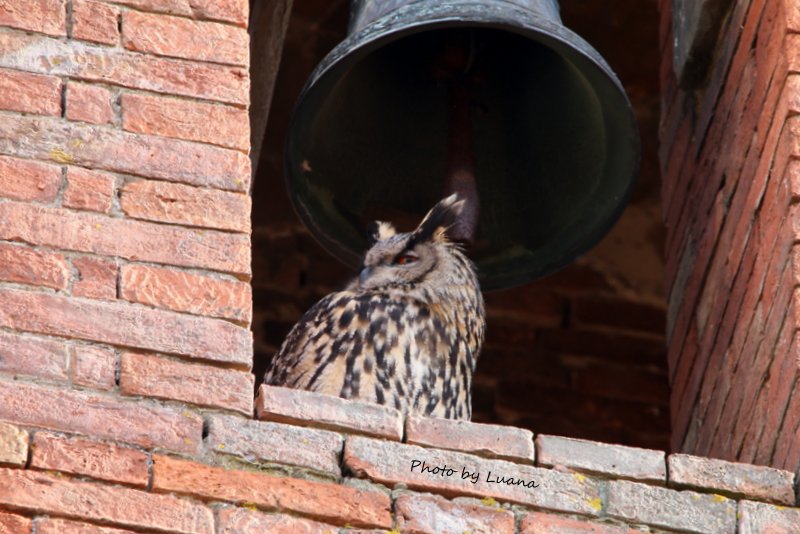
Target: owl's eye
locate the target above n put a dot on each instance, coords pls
(405, 259)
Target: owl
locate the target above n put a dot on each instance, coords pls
(405, 333)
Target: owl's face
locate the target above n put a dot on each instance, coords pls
(398, 259)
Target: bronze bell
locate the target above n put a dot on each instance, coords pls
(495, 99)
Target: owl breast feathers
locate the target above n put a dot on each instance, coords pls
(406, 332)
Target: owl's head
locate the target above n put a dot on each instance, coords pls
(423, 255)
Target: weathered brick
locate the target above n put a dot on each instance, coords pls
(306, 408)
(678, 510)
(243, 521)
(494, 441)
(392, 463)
(428, 514)
(29, 93)
(97, 278)
(51, 525)
(25, 265)
(28, 180)
(758, 518)
(48, 494)
(14, 524)
(138, 423)
(33, 356)
(324, 502)
(132, 240)
(87, 189)
(13, 445)
(45, 16)
(540, 523)
(90, 458)
(262, 441)
(183, 38)
(127, 325)
(235, 11)
(614, 460)
(192, 206)
(186, 119)
(89, 103)
(95, 21)
(94, 367)
(80, 60)
(152, 376)
(187, 292)
(752, 481)
(105, 148)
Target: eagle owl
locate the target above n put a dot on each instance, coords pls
(406, 332)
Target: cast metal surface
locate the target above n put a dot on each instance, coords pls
(554, 144)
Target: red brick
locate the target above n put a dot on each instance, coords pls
(424, 514)
(197, 384)
(126, 325)
(94, 367)
(139, 423)
(792, 12)
(661, 507)
(95, 21)
(494, 441)
(312, 448)
(25, 265)
(623, 383)
(391, 464)
(49, 525)
(13, 446)
(539, 308)
(94, 459)
(541, 523)
(29, 93)
(306, 408)
(46, 55)
(45, 16)
(22, 179)
(89, 103)
(228, 10)
(751, 481)
(785, 368)
(186, 119)
(14, 524)
(103, 148)
(183, 38)
(32, 356)
(48, 494)
(617, 313)
(611, 460)
(97, 278)
(187, 292)
(89, 190)
(332, 503)
(190, 206)
(756, 518)
(243, 521)
(133, 240)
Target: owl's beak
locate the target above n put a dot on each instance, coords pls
(366, 272)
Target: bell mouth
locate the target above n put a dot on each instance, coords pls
(556, 142)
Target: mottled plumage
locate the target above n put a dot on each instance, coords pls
(406, 333)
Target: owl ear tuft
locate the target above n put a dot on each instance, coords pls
(439, 219)
(378, 231)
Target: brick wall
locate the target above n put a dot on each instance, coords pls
(730, 187)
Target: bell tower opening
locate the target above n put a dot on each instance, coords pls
(580, 352)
